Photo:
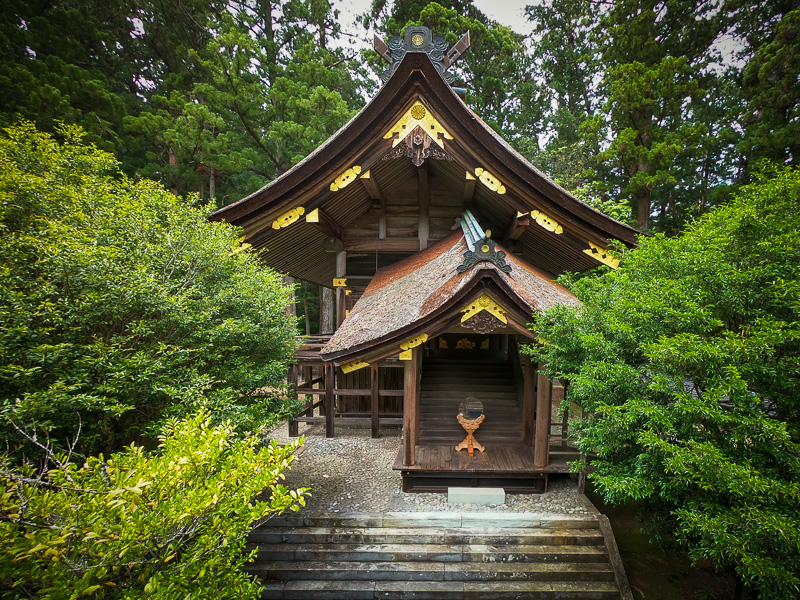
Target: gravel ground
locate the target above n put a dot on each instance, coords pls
(353, 473)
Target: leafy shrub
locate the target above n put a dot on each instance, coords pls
(122, 305)
(687, 361)
(168, 526)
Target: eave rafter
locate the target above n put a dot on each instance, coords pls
(469, 189)
(378, 201)
(517, 226)
(326, 224)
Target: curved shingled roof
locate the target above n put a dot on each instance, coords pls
(362, 142)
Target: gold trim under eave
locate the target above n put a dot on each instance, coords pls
(418, 114)
(490, 181)
(241, 246)
(289, 217)
(346, 178)
(411, 343)
(484, 302)
(601, 254)
(340, 282)
(547, 221)
(354, 366)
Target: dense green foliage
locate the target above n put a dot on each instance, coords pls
(170, 525)
(687, 362)
(204, 96)
(650, 111)
(641, 106)
(121, 304)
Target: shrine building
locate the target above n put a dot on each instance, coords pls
(439, 242)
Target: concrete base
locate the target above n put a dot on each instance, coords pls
(474, 495)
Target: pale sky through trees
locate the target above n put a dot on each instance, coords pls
(507, 12)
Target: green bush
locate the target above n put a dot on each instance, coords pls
(687, 361)
(122, 305)
(167, 526)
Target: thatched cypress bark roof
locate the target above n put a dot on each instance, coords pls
(408, 293)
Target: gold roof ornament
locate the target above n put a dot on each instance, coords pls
(289, 217)
(602, 255)
(346, 178)
(484, 302)
(418, 116)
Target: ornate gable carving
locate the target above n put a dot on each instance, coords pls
(417, 146)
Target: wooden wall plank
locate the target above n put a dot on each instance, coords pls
(424, 202)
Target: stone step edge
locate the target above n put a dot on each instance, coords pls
(567, 536)
(429, 552)
(446, 519)
(428, 567)
(436, 589)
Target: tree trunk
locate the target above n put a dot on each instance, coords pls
(326, 311)
(643, 199)
(643, 196)
(212, 184)
(290, 310)
(173, 171)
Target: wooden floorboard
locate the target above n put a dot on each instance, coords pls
(501, 459)
(507, 459)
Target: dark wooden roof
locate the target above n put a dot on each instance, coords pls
(425, 293)
(300, 249)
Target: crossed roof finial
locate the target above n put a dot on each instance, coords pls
(419, 38)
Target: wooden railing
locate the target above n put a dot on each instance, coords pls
(315, 379)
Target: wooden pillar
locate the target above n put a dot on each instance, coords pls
(565, 418)
(291, 382)
(308, 378)
(541, 449)
(330, 370)
(375, 402)
(418, 367)
(411, 376)
(582, 477)
(528, 399)
(341, 296)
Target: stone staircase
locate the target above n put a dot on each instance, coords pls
(442, 555)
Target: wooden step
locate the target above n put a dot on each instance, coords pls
(484, 555)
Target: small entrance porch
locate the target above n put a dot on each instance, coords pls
(452, 369)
